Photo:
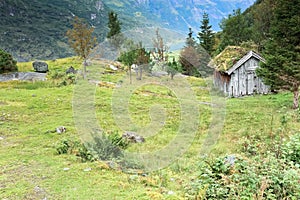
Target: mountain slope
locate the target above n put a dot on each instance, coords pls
(178, 14)
(36, 29)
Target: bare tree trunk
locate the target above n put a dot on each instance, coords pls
(141, 72)
(130, 75)
(84, 68)
(136, 69)
(296, 97)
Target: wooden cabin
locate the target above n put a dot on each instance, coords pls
(235, 72)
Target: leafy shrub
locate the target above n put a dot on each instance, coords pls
(173, 68)
(64, 147)
(7, 63)
(61, 78)
(68, 79)
(117, 140)
(105, 147)
(67, 146)
(108, 146)
(56, 74)
(235, 177)
(291, 149)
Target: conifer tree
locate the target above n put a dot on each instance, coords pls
(262, 16)
(173, 68)
(190, 40)
(206, 35)
(114, 24)
(114, 35)
(282, 53)
(235, 30)
(194, 58)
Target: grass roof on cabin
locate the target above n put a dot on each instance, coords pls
(228, 57)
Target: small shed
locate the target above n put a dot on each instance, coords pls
(235, 72)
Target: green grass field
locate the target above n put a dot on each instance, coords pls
(31, 168)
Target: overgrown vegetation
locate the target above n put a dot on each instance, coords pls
(256, 158)
(229, 56)
(254, 174)
(105, 147)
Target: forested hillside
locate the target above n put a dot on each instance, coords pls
(36, 29)
(251, 25)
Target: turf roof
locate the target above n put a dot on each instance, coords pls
(228, 57)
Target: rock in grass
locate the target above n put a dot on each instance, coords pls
(40, 66)
(112, 67)
(87, 169)
(106, 84)
(230, 159)
(61, 129)
(71, 70)
(133, 137)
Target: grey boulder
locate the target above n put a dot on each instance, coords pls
(133, 137)
(40, 66)
(71, 70)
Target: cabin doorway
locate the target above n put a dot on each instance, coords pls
(249, 83)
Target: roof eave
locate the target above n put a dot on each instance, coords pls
(245, 59)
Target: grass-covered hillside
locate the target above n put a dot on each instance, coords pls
(256, 155)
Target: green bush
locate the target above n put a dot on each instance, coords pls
(60, 78)
(291, 149)
(108, 146)
(67, 146)
(117, 140)
(236, 177)
(105, 147)
(7, 63)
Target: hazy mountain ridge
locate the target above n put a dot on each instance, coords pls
(36, 29)
(179, 14)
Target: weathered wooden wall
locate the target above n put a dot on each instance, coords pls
(221, 81)
(244, 81)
